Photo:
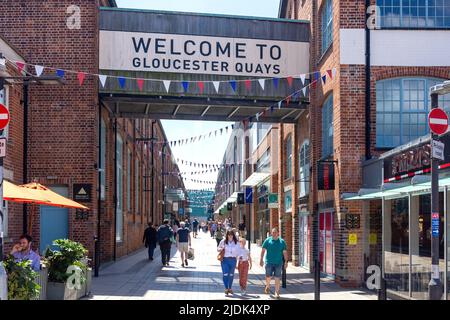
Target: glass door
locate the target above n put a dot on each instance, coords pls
(326, 243)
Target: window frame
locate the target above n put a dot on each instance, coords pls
(327, 121)
(289, 156)
(326, 27)
(304, 168)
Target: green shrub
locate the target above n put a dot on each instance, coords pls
(22, 283)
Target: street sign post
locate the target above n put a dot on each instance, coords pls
(2, 147)
(438, 121)
(438, 149)
(4, 116)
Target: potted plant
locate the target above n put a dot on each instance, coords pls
(67, 270)
(22, 284)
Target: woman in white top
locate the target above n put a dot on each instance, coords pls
(232, 250)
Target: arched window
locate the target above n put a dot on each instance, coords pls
(288, 157)
(327, 127)
(304, 169)
(326, 15)
(402, 109)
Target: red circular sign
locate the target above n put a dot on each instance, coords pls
(4, 117)
(438, 121)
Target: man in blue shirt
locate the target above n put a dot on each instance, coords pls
(276, 259)
(183, 243)
(22, 251)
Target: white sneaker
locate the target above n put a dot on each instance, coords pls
(244, 292)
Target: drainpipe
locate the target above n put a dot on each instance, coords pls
(99, 201)
(152, 177)
(368, 90)
(25, 154)
(115, 189)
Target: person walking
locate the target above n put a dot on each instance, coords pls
(242, 229)
(150, 239)
(195, 227)
(213, 228)
(165, 233)
(244, 264)
(231, 251)
(276, 250)
(183, 243)
(218, 235)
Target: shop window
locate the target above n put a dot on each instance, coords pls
(119, 182)
(288, 201)
(304, 169)
(414, 14)
(402, 106)
(288, 157)
(327, 127)
(327, 25)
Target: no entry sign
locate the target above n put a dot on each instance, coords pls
(4, 117)
(438, 121)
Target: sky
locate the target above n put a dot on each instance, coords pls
(209, 151)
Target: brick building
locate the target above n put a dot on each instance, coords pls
(73, 139)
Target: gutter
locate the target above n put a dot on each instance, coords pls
(368, 128)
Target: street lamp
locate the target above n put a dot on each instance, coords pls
(435, 288)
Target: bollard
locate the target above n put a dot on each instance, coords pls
(382, 292)
(283, 276)
(97, 256)
(316, 279)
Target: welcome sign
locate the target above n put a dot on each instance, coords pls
(177, 53)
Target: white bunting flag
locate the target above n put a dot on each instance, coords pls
(216, 85)
(257, 116)
(2, 62)
(39, 70)
(166, 84)
(102, 79)
(279, 104)
(304, 91)
(262, 83)
(303, 78)
(334, 72)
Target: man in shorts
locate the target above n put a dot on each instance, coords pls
(183, 243)
(276, 250)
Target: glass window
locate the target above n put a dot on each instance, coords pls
(119, 211)
(304, 169)
(4, 219)
(102, 159)
(289, 157)
(402, 108)
(396, 246)
(327, 127)
(129, 181)
(327, 24)
(136, 186)
(415, 14)
(288, 201)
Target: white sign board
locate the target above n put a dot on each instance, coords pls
(438, 150)
(2, 147)
(177, 53)
(175, 206)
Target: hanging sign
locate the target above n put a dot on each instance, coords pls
(352, 239)
(273, 200)
(435, 224)
(240, 198)
(82, 192)
(325, 173)
(248, 195)
(438, 150)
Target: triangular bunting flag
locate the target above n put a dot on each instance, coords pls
(185, 86)
(122, 81)
(304, 91)
(279, 104)
(248, 84)
(81, 76)
(316, 75)
(330, 74)
(201, 86)
(275, 82)
(102, 79)
(324, 78)
(39, 70)
(166, 85)
(288, 100)
(233, 85)
(60, 73)
(334, 71)
(289, 81)
(2, 61)
(303, 78)
(271, 109)
(216, 85)
(20, 66)
(140, 83)
(257, 116)
(262, 83)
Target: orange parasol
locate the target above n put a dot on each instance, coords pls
(53, 198)
(14, 193)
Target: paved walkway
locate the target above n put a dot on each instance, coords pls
(135, 277)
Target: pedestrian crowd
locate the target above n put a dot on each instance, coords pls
(231, 248)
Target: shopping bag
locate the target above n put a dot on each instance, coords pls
(191, 254)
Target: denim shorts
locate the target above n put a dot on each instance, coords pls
(273, 270)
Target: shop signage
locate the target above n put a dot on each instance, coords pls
(179, 53)
(413, 160)
(175, 206)
(240, 198)
(181, 211)
(229, 206)
(352, 221)
(273, 200)
(352, 239)
(2, 147)
(435, 225)
(438, 150)
(82, 192)
(325, 175)
(248, 195)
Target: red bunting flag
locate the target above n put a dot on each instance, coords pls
(330, 74)
(314, 84)
(20, 66)
(201, 86)
(81, 76)
(140, 83)
(248, 84)
(288, 100)
(289, 80)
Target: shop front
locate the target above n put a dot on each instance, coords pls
(405, 194)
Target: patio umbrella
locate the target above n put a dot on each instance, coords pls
(14, 193)
(53, 198)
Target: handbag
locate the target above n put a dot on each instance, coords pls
(191, 254)
(221, 255)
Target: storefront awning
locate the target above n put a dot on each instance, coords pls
(256, 178)
(395, 190)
